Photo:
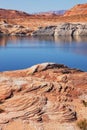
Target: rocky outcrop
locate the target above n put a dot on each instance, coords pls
(71, 29)
(46, 31)
(42, 97)
(80, 9)
(63, 29)
(12, 29)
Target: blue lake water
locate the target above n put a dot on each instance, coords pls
(23, 52)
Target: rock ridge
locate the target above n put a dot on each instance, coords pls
(79, 9)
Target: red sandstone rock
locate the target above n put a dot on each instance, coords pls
(45, 96)
(75, 14)
(80, 9)
(11, 14)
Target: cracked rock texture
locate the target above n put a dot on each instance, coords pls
(45, 96)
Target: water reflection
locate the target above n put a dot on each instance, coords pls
(22, 52)
(70, 39)
(61, 39)
(12, 39)
(76, 44)
(3, 41)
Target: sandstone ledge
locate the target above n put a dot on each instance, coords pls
(45, 96)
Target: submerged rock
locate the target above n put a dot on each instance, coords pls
(42, 97)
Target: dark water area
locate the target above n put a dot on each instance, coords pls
(23, 52)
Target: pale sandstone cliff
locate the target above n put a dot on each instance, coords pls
(63, 29)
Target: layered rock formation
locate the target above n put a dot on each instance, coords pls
(45, 31)
(12, 29)
(76, 14)
(63, 29)
(80, 9)
(71, 29)
(45, 96)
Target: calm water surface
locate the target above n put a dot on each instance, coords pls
(23, 52)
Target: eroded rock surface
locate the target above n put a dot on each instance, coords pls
(13, 29)
(63, 29)
(45, 31)
(71, 29)
(45, 96)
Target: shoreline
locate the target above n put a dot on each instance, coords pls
(61, 29)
